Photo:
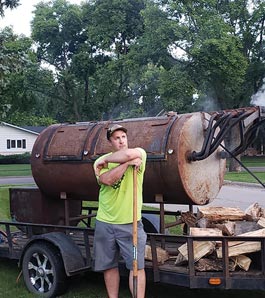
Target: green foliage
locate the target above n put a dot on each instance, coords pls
(245, 177)
(22, 119)
(222, 68)
(8, 4)
(176, 90)
(15, 158)
(127, 58)
(120, 23)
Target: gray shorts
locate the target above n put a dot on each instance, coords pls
(112, 241)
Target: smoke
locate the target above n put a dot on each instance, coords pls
(258, 99)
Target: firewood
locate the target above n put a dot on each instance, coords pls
(200, 249)
(188, 218)
(242, 227)
(242, 261)
(205, 232)
(203, 223)
(206, 264)
(257, 233)
(228, 228)
(261, 222)
(218, 214)
(254, 211)
(236, 248)
(162, 255)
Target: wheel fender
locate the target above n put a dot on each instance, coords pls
(151, 223)
(71, 254)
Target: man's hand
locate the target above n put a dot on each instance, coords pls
(135, 162)
(102, 164)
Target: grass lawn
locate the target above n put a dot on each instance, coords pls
(245, 177)
(253, 161)
(15, 170)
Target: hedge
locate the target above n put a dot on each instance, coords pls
(15, 158)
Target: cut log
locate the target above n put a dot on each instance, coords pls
(254, 211)
(162, 255)
(242, 261)
(203, 223)
(261, 222)
(243, 248)
(242, 227)
(236, 248)
(217, 214)
(257, 233)
(200, 249)
(228, 228)
(205, 232)
(188, 218)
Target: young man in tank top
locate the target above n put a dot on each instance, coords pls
(114, 220)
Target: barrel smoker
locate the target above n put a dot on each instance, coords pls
(186, 160)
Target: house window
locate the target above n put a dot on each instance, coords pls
(16, 144)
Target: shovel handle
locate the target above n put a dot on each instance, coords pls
(135, 234)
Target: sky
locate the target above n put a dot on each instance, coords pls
(20, 17)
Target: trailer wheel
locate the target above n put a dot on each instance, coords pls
(43, 270)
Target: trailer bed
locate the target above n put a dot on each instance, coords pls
(184, 275)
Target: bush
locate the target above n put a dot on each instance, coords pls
(15, 159)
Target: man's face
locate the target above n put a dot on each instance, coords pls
(119, 140)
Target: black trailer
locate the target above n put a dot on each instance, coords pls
(48, 254)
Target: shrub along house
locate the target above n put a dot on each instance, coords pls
(17, 140)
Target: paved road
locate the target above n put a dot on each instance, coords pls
(240, 195)
(16, 180)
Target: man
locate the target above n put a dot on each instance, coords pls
(114, 221)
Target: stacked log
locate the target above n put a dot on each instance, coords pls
(224, 221)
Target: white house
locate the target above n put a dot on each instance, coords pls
(17, 140)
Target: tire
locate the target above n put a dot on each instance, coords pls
(43, 270)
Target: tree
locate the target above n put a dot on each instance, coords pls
(14, 55)
(58, 30)
(8, 4)
(222, 44)
(25, 87)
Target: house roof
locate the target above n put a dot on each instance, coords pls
(31, 129)
(37, 129)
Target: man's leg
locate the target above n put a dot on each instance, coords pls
(112, 282)
(141, 281)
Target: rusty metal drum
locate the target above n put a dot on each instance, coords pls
(63, 156)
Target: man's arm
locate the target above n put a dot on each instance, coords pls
(121, 156)
(125, 158)
(114, 175)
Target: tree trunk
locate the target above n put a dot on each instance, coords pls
(234, 166)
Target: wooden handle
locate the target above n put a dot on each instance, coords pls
(135, 234)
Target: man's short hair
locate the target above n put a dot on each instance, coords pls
(114, 128)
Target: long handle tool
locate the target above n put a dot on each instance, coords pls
(135, 234)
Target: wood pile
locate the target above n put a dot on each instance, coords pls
(223, 221)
